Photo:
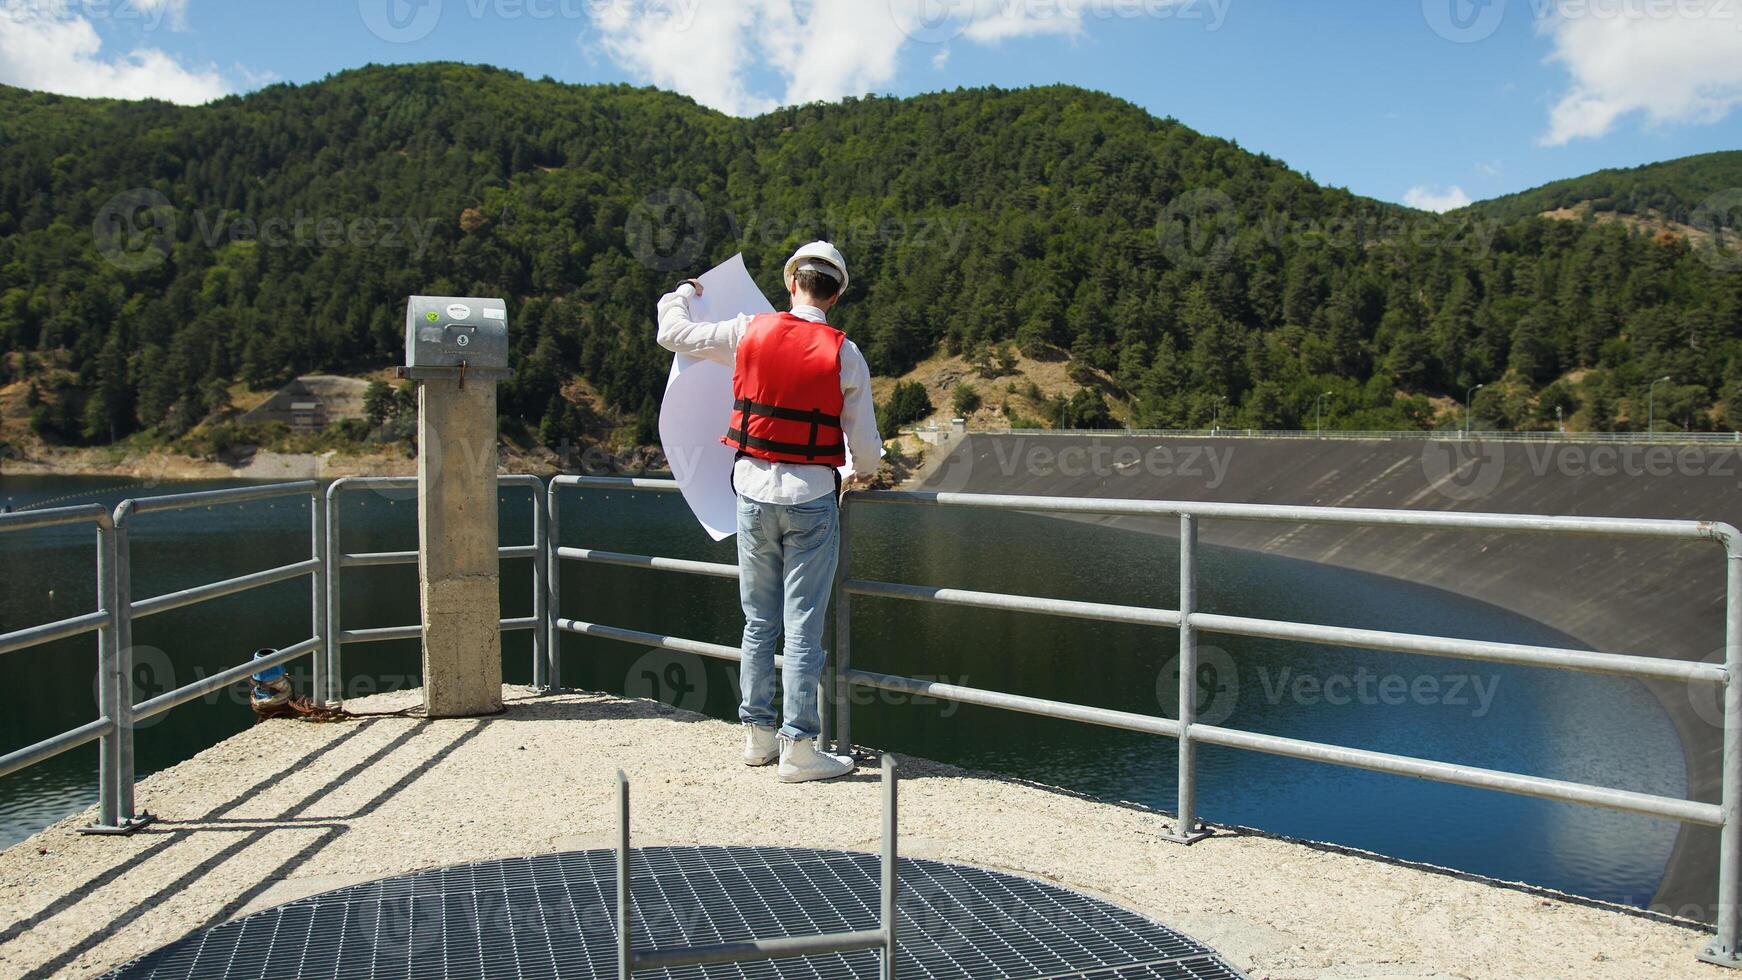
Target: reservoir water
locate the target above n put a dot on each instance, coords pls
(1571, 726)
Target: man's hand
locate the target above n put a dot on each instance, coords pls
(856, 479)
(693, 282)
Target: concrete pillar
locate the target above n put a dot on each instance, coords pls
(457, 539)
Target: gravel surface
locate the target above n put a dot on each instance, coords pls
(290, 809)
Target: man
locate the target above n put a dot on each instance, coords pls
(801, 401)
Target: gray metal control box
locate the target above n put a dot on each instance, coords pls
(453, 336)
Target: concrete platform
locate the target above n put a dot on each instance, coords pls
(291, 808)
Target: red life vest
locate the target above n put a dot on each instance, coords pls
(786, 392)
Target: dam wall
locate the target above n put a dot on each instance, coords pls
(1651, 598)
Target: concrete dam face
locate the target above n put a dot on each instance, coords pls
(1643, 597)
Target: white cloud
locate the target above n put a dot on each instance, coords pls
(1435, 200)
(820, 51)
(45, 45)
(155, 10)
(1675, 62)
(1005, 19)
(839, 49)
(703, 50)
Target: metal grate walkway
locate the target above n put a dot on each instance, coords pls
(552, 917)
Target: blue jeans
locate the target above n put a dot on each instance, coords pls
(786, 560)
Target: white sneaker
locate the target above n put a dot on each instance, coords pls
(760, 745)
(800, 762)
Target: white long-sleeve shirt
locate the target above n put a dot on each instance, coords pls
(759, 479)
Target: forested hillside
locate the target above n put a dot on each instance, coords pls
(1676, 190)
(152, 255)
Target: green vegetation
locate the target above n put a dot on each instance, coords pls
(907, 404)
(964, 399)
(1674, 190)
(163, 252)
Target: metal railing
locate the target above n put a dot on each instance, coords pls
(113, 622)
(558, 554)
(630, 960)
(327, 680)
(116, 611)
(110, 690)
(1399, 435)
(1189, 621)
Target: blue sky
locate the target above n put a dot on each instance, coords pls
(1426, 101)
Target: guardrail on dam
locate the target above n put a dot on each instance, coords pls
(116, 609)
(1657, 598)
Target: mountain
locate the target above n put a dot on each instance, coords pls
(153, 256)
(1673, 191)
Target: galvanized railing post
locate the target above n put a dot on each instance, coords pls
(540, 610)
(890, 877)
(124, 663)
(843, 652)
(553, 671)
(324, 683)
(1185, 828)
(109, 683)
(625, 954)
(334, 647)
(1724, 947)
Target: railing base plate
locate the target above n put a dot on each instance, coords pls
(1710, 953)
(1173, 835)
(122, 829)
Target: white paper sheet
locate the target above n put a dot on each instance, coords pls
(698, 404)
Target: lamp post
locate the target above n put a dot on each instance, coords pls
(1216, 418)
(1467, 396)
(1651, 405)
(1319, 416)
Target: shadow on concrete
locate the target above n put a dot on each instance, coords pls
(169, 839)
(253, 832)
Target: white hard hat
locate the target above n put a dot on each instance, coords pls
(821, 256)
